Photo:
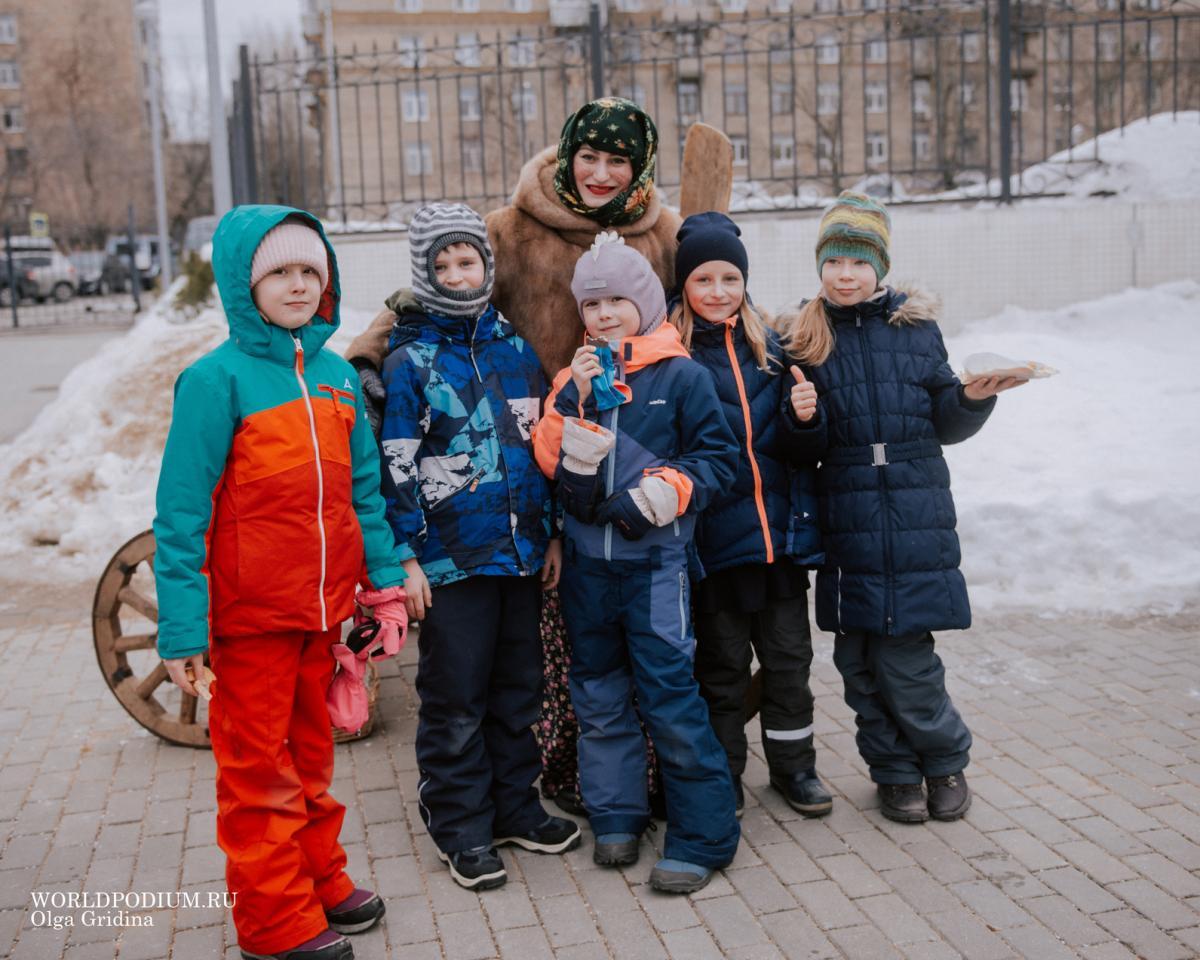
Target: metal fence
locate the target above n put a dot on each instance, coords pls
(916, 103)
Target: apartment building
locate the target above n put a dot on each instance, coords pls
(74, 116)
(448, 97)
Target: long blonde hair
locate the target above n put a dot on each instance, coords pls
(754, 324)
(806, 332)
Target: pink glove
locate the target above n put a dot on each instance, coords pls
(378, 637)
(388, 609)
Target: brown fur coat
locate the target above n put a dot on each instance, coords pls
(536, 241)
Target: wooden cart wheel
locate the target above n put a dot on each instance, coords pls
(125, 630)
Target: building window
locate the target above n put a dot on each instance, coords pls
(733, 6)
(876, 94)
(416, 106)
(524, 102)
(829, 98)
(14, 119)
(466, 50)
(741, 151)
(8, 28)
(921, 143)
(735, 43)
(1061, 95)
(781, 6)
(735, 99)
(828, 50)
(877, 152)
(408, 6)
(922, 50)
(412, 52)
(689, 98)
(632, 91)
(777, 43)
(522, 52)
(781, 97)
(520, 6)
(17, 159)
(920, 98)
(827, 6)
(1108, 4)
(1109, 47)
(686, 43)
(630, 47)
(472, 156)
(418, 159)
(971, 46)
(875, 51)
(783, 149)
(869, 5)
(824, 152)
(629, 6)
(466, 6)
(1018, 93)
(10, 73)
(468, 103)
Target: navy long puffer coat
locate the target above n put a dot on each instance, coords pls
(891, 551)
(770, 511)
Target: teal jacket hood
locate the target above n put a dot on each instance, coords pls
(237, 237)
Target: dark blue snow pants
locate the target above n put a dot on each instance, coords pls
(629, 622)
(907, 726)
(479, 677)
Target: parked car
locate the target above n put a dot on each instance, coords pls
(89, 269)
(117, 269)
(198, 236)
(42, 276)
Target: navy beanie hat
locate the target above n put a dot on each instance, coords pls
(704, 237)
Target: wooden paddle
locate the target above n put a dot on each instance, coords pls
(707, 172)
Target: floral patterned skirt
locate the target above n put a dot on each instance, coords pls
(558, 730)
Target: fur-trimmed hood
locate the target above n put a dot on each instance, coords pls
(903, 305)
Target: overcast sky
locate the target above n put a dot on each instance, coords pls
(185, 77)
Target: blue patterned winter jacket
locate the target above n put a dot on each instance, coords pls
(464, 494)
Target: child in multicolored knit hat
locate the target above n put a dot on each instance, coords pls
(888, 401)
(472, 518)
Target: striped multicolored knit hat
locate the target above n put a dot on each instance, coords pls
(433, 228)
(856, 226)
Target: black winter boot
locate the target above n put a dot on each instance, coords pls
(903, 802)
(949, 796)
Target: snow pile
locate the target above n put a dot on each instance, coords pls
(1155, 158)
(1080, 492)
(80, 480)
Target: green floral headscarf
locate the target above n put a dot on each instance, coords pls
(614, 125)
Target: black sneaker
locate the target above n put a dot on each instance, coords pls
(949, 796)
(479, 868)
(358, 912)
(555, 835)
(739, 798)
(569, 801)
(903, 802)
(804, 792)
(327, 945)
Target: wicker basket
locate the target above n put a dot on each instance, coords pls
(371, 679)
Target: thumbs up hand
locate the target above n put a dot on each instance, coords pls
(803, 397)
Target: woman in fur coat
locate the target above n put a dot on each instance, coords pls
(600, 176)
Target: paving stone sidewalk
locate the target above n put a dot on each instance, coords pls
(1083, 841)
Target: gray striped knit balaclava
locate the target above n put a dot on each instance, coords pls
(433, 228)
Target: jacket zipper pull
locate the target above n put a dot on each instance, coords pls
(299, 354)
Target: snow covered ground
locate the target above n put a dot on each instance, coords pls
(1078, 495)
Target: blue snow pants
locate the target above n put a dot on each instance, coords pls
(629, 622)
(908, 727)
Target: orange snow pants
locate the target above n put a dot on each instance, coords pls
(276, 821)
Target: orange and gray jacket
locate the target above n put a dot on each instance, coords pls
(670, 426)
(268, 509)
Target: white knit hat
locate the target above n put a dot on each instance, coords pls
(290, 242)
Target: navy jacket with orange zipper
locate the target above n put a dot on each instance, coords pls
(770, 511)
